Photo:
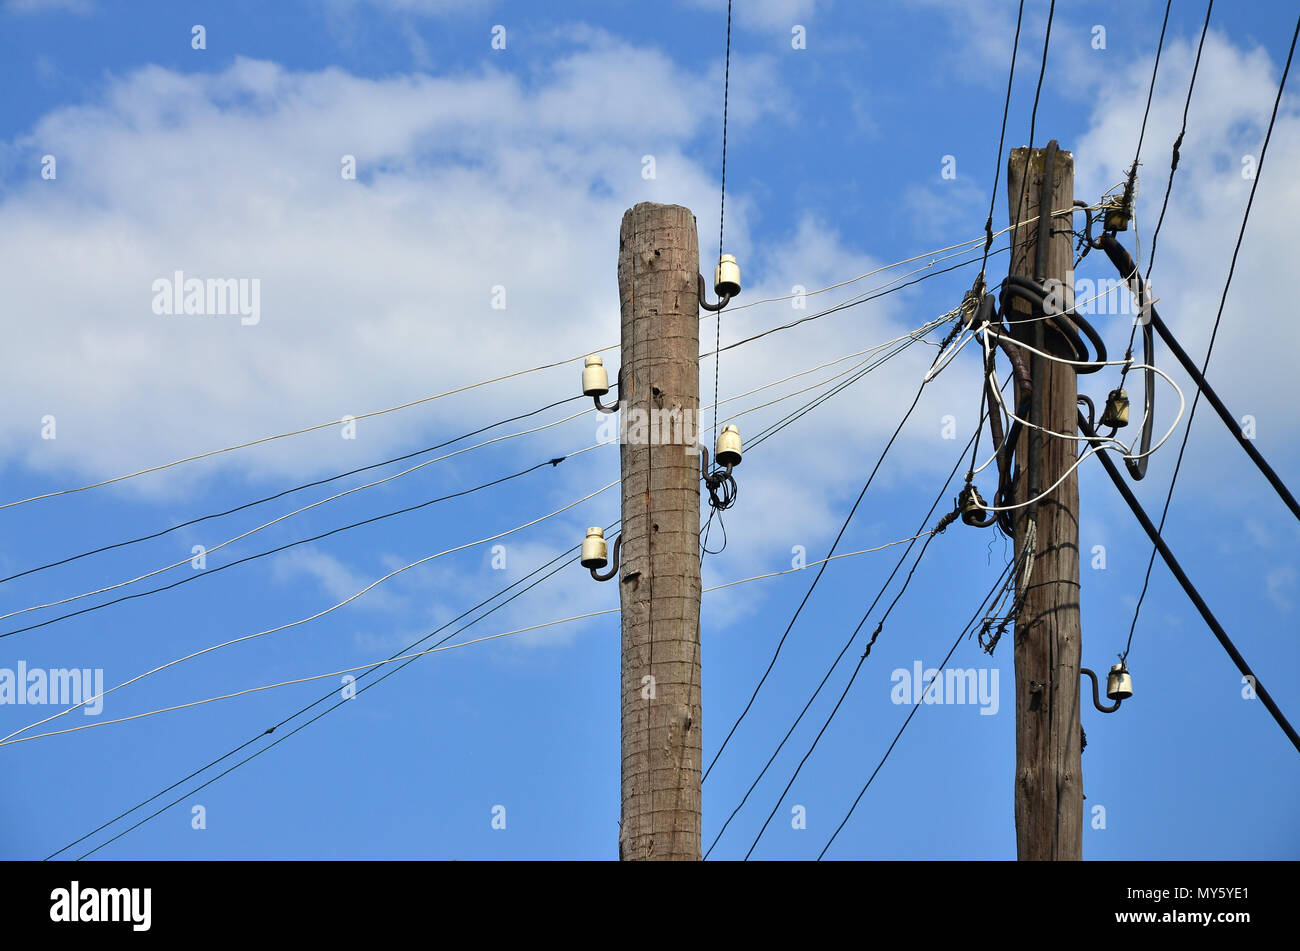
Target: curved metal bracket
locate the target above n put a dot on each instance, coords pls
(608, 410)
(1096, 701)
(711, 478)
(722, 301)
(613, 567)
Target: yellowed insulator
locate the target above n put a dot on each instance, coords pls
(594, 551)
(1117, 219)
(728, 450)
(595, 380)
(1119, 685)
(1116, 412)
(726, 277)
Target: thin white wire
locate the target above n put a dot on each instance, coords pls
(319, 614)
(299, 511)
(847, 302)
(912, 336)
(1091, 450)
(1127, 451)
(942, 361)
(498, 379)
(853, 280)
(1182, 401)
(11, 738)
(306, 429)
(920, 331)
(448, 551)
(945, 358)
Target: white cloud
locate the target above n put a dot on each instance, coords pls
(372, 291)
(378, 290)
(1280, 584)
(1234, 93)
(338, 581)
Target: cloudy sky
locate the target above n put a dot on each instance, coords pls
(495, 147)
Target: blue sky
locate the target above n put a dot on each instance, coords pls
(482, 168)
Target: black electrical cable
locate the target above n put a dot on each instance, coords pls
(821, 570)
(1124, 264)
(880, 626)
(332, 693)
(1151, 90)
(389, 672)
(302, 541)
(296, 488)
(852, 303)
(1137, 468)
(1035, 294)
(1000, 586)
(813, 586)
(1223, 300)
(1173, 163)
(1202, 608)
(816, 401)
(1033, 115)
(1002, 137)
(925, 519)
(722, 217)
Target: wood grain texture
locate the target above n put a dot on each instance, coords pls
(659, 579)
(1048, 782)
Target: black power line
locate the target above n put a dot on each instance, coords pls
(1206, 614)
(722, 217)
(812, 587)
(880, 626)
(899, 564)
(821, 570)
(1223, 300)
(852, 303)
(1002, 138)
(999, 586)
(1124, 264)
(1173, 162)
(296, 488)
(271, 551)
(388, 673)
(1151, 90)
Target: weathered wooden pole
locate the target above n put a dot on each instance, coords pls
(659, 577)
(1048, 786)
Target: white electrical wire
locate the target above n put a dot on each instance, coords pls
(911, 337)
(10, 739)
(319, 614)
(306, 429)
(469, 544)
(299, 511)
(1128, 450)
(958, 247)
(925, 328)
(517, 373)
(1097, 443)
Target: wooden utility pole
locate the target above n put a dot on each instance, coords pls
(659, 577)
(1048, 788)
